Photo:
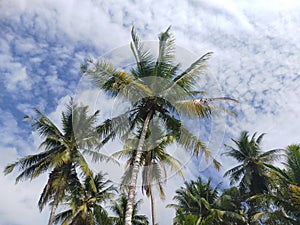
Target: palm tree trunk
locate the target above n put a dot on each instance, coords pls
(153, 212)
(135, 171)
(53, 208)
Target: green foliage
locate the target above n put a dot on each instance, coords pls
(156, 92)
(200, 203)
(153, 85)
(86, 204)
(119, 207)
(282, 202)
(251, 172)
(62, 153)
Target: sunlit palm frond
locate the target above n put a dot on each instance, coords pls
(172, 162)
(187, 79)
(192, 143)
(192, 109)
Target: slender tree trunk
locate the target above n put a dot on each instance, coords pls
(135, 171)
(153, 212)
(53, 208)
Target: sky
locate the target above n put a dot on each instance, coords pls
(256, 47)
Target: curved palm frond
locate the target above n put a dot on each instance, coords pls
(187, 79)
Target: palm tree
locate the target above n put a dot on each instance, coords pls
(251, 173)
(119, 209)
(198, 203)
(154, 162)
(154, 89)
(193, 199)
(252, 170)
(231, 201)
(62, 153)
(85, 202)
(284, 197)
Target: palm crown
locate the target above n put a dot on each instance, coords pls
(155, 89)
(85, 203)
(62, 153)
(253, 163)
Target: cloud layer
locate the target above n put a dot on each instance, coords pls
(256, 60)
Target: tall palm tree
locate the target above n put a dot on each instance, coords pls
(155, 89)
(119, 209)
(86, 204)
(199, 203)
(154, 162)
(251, 172)
(62, 153)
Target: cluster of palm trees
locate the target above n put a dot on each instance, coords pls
(264, 194)
(159, 96)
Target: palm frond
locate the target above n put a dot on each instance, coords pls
(98, 156)
(192, 109)
(144, 59)
(164, 65)
(187, 79)
(44, 126)
(271, 155)
(63, 217)
(191, 142)
(118, 125)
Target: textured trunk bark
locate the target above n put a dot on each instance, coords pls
(153, 212)
(53, 208)
(135, 171)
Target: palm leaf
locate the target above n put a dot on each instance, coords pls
(188, 78)
(144, 59)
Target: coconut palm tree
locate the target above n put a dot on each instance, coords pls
(284, 197)
(231, 202)
(119, 209)
(251, 172)
(86, 204)
(199, 203)
(193, 197)
(154, 162)
(154, 88)
(62, 153)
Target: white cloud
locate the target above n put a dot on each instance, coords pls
(256, 60)
(20, 199)
(19, 202)
(18, 79)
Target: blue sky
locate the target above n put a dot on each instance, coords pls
(42, 44)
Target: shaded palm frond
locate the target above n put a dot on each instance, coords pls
(144, 59)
